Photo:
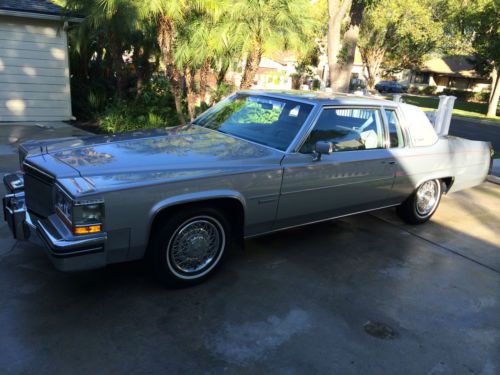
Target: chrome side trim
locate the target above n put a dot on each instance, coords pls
(332, 186)
(318, 221)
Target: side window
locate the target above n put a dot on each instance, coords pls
(348, 129)
(395, 132)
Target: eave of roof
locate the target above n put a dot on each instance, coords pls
(452, 66)
(37, 9)
(39, 16)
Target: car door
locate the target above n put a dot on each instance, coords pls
(357, 176)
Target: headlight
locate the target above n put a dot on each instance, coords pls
(87, 214)
(82, 217)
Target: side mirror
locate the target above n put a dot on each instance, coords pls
(322, 148)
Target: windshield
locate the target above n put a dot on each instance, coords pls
(268, 121)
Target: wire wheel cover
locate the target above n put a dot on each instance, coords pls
(427, 197)
(195, 245)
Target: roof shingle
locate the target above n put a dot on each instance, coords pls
(457, 66)
(31, 6)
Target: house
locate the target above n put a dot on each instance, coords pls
(448, 72)
(452, 72)
(274, 71)
(34, 69)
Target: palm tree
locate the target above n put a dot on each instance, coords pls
(109, 25)
(204, 40)
(171, 16)
(193, 55)
(268, 25)
(168, 14)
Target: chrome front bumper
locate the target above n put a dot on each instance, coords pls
(66, 251)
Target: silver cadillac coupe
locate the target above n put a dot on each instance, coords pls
(255, 163)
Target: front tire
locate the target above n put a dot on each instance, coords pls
(188, 247)
(419, 207)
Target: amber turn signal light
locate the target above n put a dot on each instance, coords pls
(87, 229)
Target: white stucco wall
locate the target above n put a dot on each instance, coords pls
(34, 71)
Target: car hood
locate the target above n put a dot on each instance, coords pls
(154, 155)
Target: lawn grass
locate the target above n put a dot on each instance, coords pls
(461, 108)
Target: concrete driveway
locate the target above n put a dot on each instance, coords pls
(365, 294)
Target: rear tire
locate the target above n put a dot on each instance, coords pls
(189, 246)
(419, 207)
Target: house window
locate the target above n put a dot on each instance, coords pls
(458, 83)
(421, 78)
(443, 81)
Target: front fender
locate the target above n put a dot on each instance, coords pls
(199, 196)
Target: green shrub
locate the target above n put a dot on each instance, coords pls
(414, 90)
(429, 90)
(96, 100)
(88, 100)
(155, 108)
(468, 96)
(221, 91)
(460, 94)
(482, 97)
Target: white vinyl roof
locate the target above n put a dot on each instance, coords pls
(421, 131)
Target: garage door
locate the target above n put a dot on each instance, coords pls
(34, 75)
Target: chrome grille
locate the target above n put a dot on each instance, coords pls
(38, 190)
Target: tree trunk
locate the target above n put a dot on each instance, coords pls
(83, 60)
(342, 81)
(251, 66)
(166, 37)
(372, 59)
(495, 94)
(100, 54)
(205, 69)
(117, 64)
(494, 75)
(191, 93)
(337, 10)
(221, 76)
(143, 69)
(177, 91)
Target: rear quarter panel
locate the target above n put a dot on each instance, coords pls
(465, 161)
